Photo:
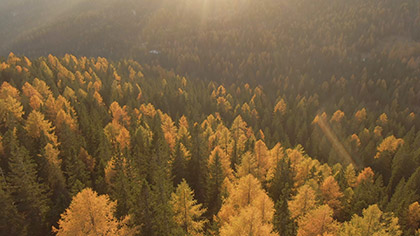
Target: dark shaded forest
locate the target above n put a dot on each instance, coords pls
(192, 117)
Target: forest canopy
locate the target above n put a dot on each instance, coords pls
(223, 117)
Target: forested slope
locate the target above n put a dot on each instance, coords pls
(222, 117)
(134, 132)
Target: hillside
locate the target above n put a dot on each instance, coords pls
(210, 117)
(201, 38)
(125, 129)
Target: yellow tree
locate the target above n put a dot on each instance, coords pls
(331, 193)
(10, 108)
(7, 90)
(361, 115)
(413, 216)
(117, 134)
(366, 175)
(248, 166)
(36, 126)
(303, 202)
(373, 222)
(262, 158)
(90, 214)
(238, 132)
(350, 175)
(318, 221)
(223, 138)
(248, 222)
(389, 144)
(280, 107)
(337, 116)
(169, 130)
(187, 212)
(247, 210)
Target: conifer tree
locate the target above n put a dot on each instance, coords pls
(90, 214)
(25, 187)
(187, 212)
(373, 222)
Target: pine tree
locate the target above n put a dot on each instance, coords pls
(280, 190)
(11, 221)
(215, 180)
(25, 187)
(197, 166)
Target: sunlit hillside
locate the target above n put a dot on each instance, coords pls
(210, 117)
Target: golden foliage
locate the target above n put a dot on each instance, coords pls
(389, 144)
(169, 130)
(10, 106)
(248, 210)
(187, 212)
(140, 92)
(224, 159)
(355, 139)
(361, 115)
(148, 110)
(223, 138)
(350, 175)
(413, 216)
(331, 193)
(373, 222)
(183, 128)
(117, 135)
(383, 119)
(248, 222)
(303, 202)
(36, 126)
(378, 131)
(337, 116)
(98, 98)
(224, 104)
(51, 154)
(119, 114)
(29, 91)
(35, 102)
(318, 221)
(262, 158)
(366, 175)
(280, 107)
(7, 90)
(90, 214)
(248, 166)
(42, 87)
(64, 118)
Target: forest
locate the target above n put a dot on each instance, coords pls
(199, 117)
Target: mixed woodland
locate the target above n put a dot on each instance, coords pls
(269, 117)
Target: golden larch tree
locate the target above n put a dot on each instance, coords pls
(247, 210)
(90, 214)
(303, 202)
(390, 144)
(318, 221)
(187, 212)
(331, 193)
(373, 222)
(413, 216)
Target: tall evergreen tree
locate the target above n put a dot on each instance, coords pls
(26, 189)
